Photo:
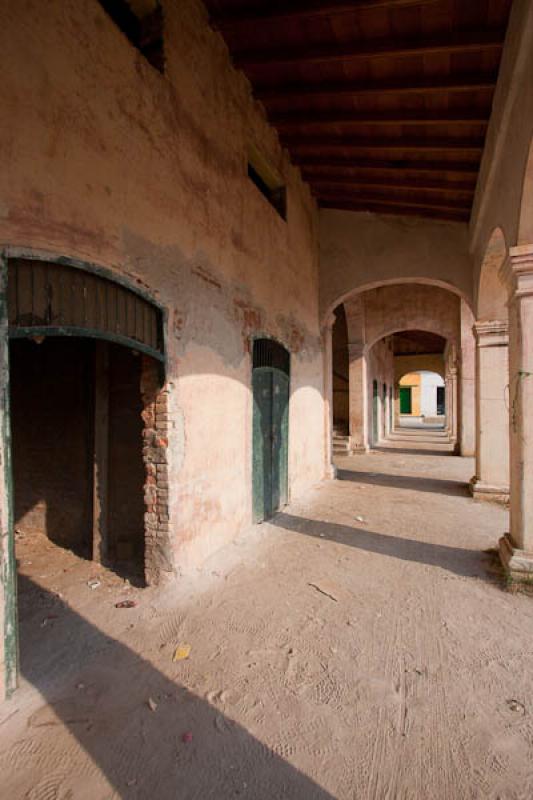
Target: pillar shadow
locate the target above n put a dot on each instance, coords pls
(415, 484)
(458, 560)
(98, 689)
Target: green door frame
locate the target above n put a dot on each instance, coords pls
(8, 577)
(406, 402)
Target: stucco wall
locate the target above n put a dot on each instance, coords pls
(106, 160)
(363, 250)
(391, 309)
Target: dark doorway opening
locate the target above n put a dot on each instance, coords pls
(55, 421)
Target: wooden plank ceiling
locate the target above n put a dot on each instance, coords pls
(384, 104)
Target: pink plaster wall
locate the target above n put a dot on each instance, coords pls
(106, 160)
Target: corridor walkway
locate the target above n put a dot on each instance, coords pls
(360, 646)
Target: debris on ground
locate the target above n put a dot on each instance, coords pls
(181, 652)
(126, 604)
(152, 705)
(514, 705)
(323, 591)
(48, 619)
(187, 737)
(94, 583)
(360, 519)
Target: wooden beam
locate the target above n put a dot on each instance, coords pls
(378, 48)
(375, 143)
(101, 453)
(399, 165)
(292, 119)
(348, 89)
(304, 10)
(385, 202)
(400, 209)
(349, 182)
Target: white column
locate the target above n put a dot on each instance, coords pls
(491, 480)
(358, 398)
(330, 471)
(516, 548)
(467, 427)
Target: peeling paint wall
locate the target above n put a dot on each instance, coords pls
(106, 160)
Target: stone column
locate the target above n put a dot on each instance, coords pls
(451, 411)
(491, 480)
(330, 470)
(358, 398)
(467, 426)
(516, 547)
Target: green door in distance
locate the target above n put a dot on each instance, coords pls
(405, 399)
(270, 430)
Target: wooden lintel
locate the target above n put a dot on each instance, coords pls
(101, 453)
(363, 51)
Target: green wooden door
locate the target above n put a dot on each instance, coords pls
(405, 399)
(270, 441)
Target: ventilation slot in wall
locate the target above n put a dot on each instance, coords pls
(141, 21)
(268, 181)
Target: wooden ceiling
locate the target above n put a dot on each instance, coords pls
(384, 104)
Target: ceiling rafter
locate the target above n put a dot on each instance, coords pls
(304, 10)
(293, 119)
(371, 165)
(424, 210)
(465, 83)
(463, 42)
(401, 143)
(404, 186)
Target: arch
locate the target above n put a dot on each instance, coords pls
(391, 331)
(433, 367)
(525, 227)
(492, 294)
(371, 285)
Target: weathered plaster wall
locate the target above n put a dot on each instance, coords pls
(403, 365)
(499, 193)
(106, 160)
(391, 309)
(363, 250)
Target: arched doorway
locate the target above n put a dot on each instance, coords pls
(86, 364)
(270, 381)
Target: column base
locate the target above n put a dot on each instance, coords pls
(330, 473)
(358, 449)
(518, 564)
(489, 492)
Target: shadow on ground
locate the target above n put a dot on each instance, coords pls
(437, 485)
(98, 689)
(458, 560)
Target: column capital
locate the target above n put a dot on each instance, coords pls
(517, 271)
(355, 350)
(328, 323)
(491, 333)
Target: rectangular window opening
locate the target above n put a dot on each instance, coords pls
(141, 21)
(268, 182)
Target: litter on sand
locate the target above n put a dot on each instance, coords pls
(322, 591)
(181, 652)
(152, 705)
(126, 604)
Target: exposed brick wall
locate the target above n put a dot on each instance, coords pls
(126, 467)
(159, 562)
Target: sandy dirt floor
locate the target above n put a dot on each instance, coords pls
(360, 646)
